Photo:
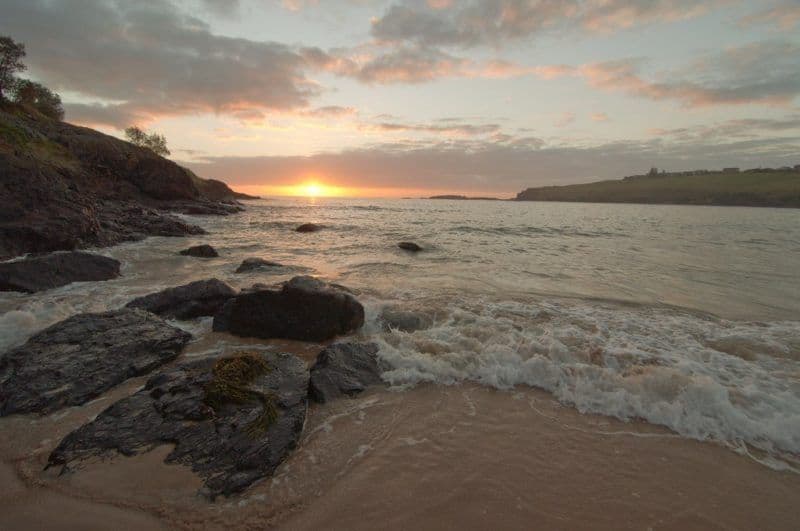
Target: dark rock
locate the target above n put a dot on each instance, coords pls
(232, 420)
(344, 369)
(204, 208)
(53, 270)
(251, 264)
(404, 320)
(204, 297)
(79, 358)
(201, 251)
(304, 308)
(409, 246)
(126, 221)
(309, 227)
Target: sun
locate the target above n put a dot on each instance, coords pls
(312, 189)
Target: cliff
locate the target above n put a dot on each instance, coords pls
(67, 187)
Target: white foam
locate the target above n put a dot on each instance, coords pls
(627, 362)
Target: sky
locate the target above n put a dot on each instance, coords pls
(420, 97)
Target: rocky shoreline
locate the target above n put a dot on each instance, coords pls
(233, 418)
(66, 187)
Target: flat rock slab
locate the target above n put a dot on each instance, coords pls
(304, 308)
(200, 251)
(50, 271)
(229, 445)
(254, 264)
(344, 369)
(80, 358)
(203, 297)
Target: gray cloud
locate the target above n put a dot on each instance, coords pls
(494, 22)
(766, 72)
(148, 59)
(732, 129)
(784, 16)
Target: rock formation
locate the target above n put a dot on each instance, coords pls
(40, 273)
(79, 358)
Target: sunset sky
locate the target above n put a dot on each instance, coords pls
(407, 97)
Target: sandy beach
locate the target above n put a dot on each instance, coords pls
(456, 457)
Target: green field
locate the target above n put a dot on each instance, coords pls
(768, 189)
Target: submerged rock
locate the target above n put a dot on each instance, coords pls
(232, 420)
(308, 227)
(304, 308)
(252, 264)
(404, 320)
(344, 369)
(203, 297)
(79, 358)
(409, 246)
(53, 270)
(201, 251)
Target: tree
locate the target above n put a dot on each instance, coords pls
(41, 98)
(153, 141)
(11, 54)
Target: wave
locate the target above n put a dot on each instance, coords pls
(705, 378)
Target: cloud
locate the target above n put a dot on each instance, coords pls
(144, 60)
(565, 119)
(444, 127)
(488, 166)
(765, 72)
(472, 23)
(784, 16)
(599, 117)
(743, 128)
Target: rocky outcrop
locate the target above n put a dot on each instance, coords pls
(232, 420)
(304, 308)
(410, 246)
(253, 264)
(65, 187)
(196, 299)
(344, 369)
(403, 320)
(40, 273)
(78, 359)
(308, 227)
(200, 251)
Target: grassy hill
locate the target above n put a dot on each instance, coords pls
(770, 188)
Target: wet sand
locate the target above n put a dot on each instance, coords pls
(460, 457)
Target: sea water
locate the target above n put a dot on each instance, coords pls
(683, 316)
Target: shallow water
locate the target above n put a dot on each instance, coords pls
(687, 317)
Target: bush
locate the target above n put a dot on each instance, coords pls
(153, 141)
(41, 98)
(11, 54)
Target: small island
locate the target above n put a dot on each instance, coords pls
(762, 187)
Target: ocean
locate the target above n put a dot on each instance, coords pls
(684, 317)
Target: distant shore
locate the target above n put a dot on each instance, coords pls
(757, 188)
